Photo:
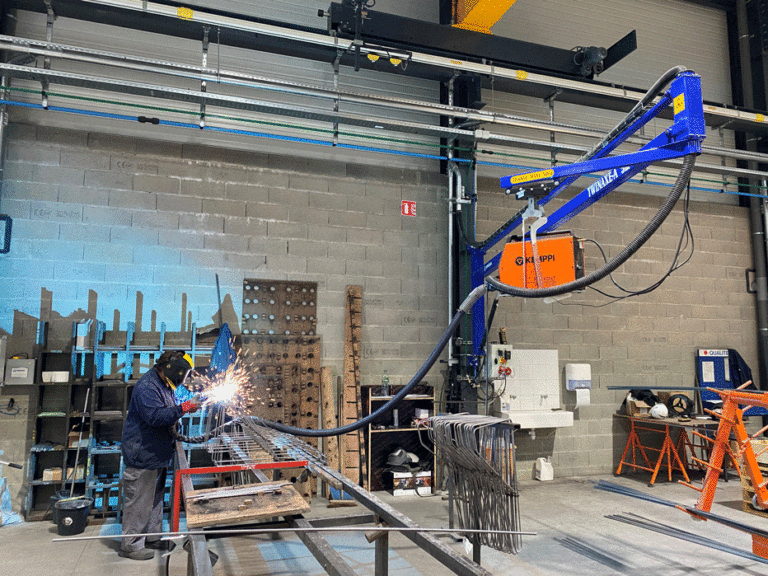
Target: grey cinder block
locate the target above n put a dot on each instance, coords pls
(106, 215)
(158, 184)
(224, 207)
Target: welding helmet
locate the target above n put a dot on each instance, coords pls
(402, 461)
(175, 365)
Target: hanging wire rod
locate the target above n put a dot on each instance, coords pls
(640, 522)
(247, 531)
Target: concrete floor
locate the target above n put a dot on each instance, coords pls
(573, 537)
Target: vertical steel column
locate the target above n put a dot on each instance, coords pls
(748, 79)
(476, 546)
(199, 561)
(453, 174)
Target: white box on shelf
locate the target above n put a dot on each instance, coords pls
(408, 483)
(61, 376)
(52, 474)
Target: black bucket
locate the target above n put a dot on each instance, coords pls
(72, 515)
(60, 495)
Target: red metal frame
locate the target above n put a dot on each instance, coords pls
(176, 504)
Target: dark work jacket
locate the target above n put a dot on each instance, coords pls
(147, 433)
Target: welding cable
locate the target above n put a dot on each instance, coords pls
(638, 109)
(629, 250)
(464, 309)
(685, 243)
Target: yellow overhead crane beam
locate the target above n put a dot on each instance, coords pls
(480, 15)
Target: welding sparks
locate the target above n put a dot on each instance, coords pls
(231, 390)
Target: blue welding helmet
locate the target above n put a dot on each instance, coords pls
(175, 365)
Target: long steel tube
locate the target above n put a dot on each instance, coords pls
(238, 102)
(445, 63)
(215, 76)
(240, 79)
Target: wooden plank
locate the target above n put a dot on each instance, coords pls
(230, 509)
(352, 447)
(330, 419)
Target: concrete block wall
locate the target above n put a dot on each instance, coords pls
(644, 341)
(123, 229)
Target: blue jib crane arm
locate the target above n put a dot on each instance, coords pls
(682, 138)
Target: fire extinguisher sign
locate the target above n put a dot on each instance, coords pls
(408, 208)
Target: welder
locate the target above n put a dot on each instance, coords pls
(147, 446)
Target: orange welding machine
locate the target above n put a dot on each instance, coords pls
(560, 260)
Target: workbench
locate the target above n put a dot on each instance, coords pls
(680, 454)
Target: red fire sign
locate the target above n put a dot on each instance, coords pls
(408, 208)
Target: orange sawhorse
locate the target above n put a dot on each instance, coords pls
(668, 449)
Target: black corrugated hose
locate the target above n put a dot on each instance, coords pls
(465, 308)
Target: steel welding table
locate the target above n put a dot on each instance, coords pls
(677, 452)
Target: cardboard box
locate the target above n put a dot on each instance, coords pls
(637, 408)
(52, 475)
(59, 377)
(80, 473)
(407, 483)
(75, 441)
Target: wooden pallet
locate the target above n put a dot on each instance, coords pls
(747, 490)
(353, 458)
(283, 501)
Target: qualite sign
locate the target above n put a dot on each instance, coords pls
(408, 208)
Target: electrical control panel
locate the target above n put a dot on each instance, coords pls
(498, 362)
(533, 382)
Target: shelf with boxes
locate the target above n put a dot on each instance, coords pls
(395, 431)
(101, 367)
(60, 397)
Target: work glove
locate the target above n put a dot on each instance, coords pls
(189, 406)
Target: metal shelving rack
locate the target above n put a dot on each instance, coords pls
(57, 409)
(110, 370)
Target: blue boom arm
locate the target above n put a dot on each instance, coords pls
(682, 138)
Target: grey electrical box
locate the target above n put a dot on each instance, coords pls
(3, 346)
(19, 372)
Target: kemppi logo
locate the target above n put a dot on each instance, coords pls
(529, 259)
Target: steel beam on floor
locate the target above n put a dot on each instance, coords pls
(331, 561)
(451, 559)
